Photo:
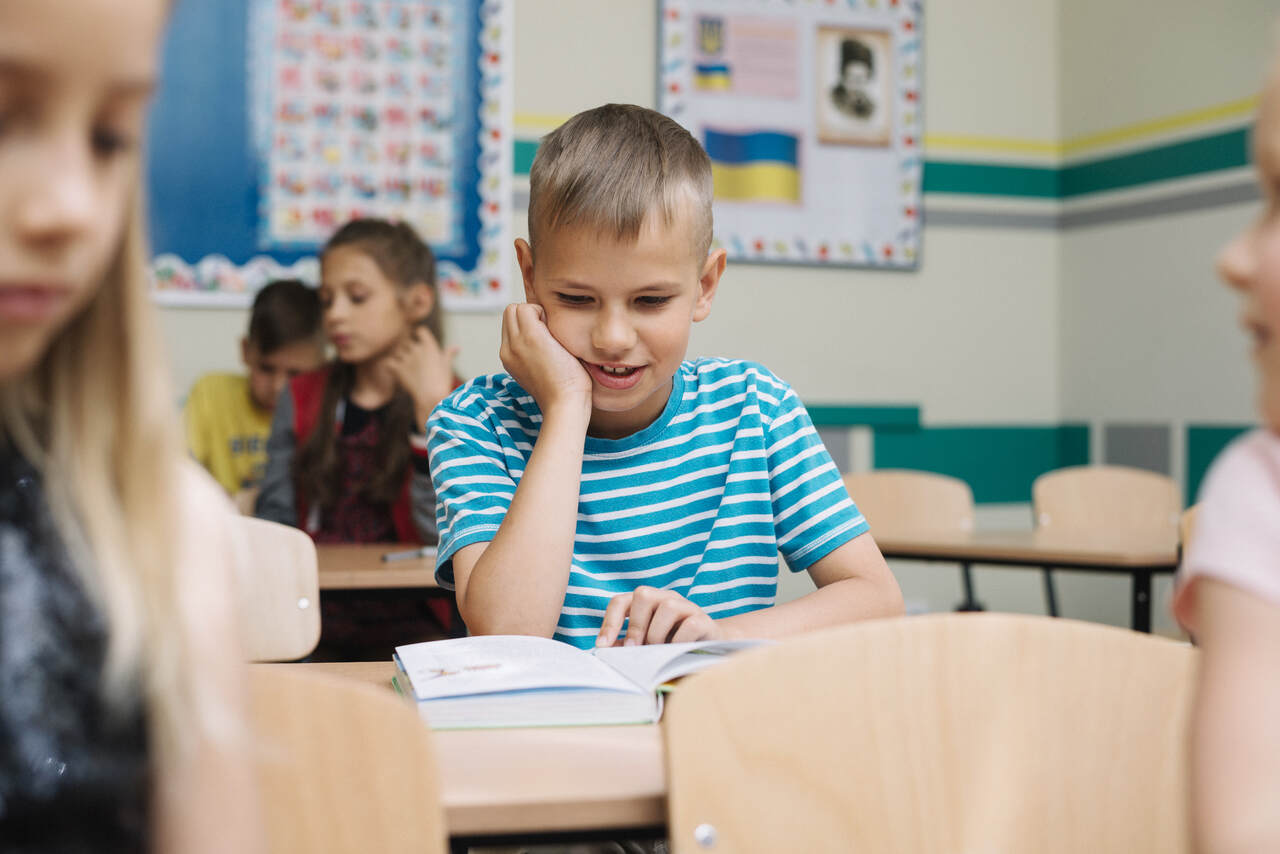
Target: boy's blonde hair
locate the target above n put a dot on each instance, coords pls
(610, 167)
(97, 418)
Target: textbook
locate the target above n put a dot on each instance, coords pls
(521, 681)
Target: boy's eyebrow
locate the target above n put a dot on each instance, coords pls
(137, 85)
(648, 286)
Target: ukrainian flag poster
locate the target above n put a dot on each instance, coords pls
(811, 115)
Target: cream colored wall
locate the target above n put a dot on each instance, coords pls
(1148, 333)
(1132, 61)
(970, 336)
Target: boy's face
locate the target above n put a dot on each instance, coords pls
(1251, 263)
(270, 372)
(624, 310)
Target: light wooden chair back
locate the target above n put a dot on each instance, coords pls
(902, 499)
(948, 732)
(1186, 527)
(344, 768)
(279, 590)
(1106, 499)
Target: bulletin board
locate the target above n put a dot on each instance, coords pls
(279, 120)
(811, 112)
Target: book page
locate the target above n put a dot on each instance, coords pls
(496, 663)
(652, 664)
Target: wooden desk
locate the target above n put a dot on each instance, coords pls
(361, 567)
(531, 783)
(1137, 555)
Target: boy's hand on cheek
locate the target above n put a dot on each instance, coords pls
(655, 616)
(424, 369)
(539, 362)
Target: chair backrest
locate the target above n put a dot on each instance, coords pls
(279, 590)
(1106, 499)
(956, 732)
(344, 768)
(1187, 527)
(902, 499)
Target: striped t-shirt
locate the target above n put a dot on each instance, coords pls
(701, 501)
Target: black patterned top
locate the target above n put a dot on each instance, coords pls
(74, 774)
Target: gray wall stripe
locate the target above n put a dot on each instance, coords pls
(1215, 197)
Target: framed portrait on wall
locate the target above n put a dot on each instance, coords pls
(854, 84)
(812, 116)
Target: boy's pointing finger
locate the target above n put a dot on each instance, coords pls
(613, 617)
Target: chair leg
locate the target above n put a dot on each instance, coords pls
(1050, 594)
(969, 603)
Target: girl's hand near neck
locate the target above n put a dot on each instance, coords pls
(424, 369)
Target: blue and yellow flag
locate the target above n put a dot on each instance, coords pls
(754, 165)
(711, 75)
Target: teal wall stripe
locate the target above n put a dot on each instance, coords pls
(998, 463)
(522, 156)
(897, 417)
(991, 179)
(1212, 153)
(1204, 442)
(1227, 150)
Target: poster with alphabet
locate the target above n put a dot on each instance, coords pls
(398, 109)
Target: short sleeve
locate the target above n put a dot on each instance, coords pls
(473, 480)
(1237, 531)
(194, 417)
(813, 514)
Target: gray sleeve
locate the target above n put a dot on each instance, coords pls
(275, 499)
(422, 493)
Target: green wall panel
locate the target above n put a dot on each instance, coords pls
(998, 462)
(1204, 442)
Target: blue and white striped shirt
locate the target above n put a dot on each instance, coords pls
(701, 501)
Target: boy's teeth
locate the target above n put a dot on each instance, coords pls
(615, 371)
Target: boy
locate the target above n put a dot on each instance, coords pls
(605, 480)
(228, 416)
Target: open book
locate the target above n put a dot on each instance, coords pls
(516, 681)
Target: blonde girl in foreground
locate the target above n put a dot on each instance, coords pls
(120, 690)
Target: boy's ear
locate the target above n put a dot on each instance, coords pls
(419, 300)
(524, 257)
(708, 281)
(246, 350)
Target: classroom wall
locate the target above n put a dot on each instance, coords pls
(1150, 340)
(1047, 324)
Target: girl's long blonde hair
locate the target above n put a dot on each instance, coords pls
(97, 418)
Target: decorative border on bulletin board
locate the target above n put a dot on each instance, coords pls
(470, 277)
(824, 169)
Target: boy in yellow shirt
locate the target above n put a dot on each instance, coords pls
(228, 416)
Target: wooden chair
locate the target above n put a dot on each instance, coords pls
(344, 767)
(903, 499)
(1107, 499)
(945, 732)
(1186, 528)
(279, 590)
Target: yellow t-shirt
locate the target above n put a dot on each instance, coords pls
(226, 432)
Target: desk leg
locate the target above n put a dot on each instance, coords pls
(969, 603)
(1050, 594)
(1142, 601)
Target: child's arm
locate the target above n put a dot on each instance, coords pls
(515, 584)
(275, 500)
(206, 795)
(854, 583)
(1235, 752)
